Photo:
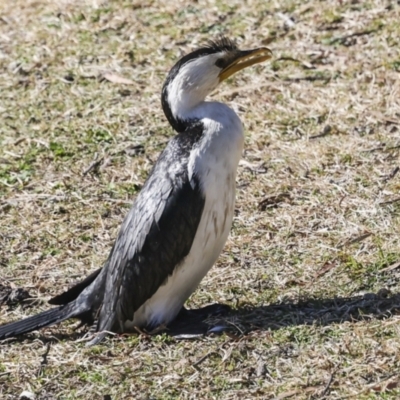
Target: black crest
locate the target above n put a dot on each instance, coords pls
(222, 44)
(212, 47)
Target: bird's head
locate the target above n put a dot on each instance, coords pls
(198, 73)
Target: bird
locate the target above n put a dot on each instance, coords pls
(180, 220)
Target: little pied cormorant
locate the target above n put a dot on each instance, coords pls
(180, 220)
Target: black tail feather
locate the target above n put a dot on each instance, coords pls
(35, 322)
(72, 293)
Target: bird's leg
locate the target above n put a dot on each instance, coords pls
(192, 323)
(213, 310)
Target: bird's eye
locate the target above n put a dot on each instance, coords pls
(220, 63)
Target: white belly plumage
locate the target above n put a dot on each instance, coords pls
(215, 163)
(208, 243)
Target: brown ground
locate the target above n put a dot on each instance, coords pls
(312, 266)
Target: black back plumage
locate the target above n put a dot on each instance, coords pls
(156, 235)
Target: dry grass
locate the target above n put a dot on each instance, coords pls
(310, 266)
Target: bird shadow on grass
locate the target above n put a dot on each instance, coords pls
(219, 318)
(308, 311)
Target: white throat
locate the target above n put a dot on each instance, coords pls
(189, 88)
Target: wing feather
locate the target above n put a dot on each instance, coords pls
(155, 237)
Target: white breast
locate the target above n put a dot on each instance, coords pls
(214, 162)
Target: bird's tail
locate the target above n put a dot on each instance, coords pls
(38, 321)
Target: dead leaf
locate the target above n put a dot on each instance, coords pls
(272, 201)
(386, 386)
(391, 267)
(325, 268)
(286, 395)
(355, 240)
(118, 79)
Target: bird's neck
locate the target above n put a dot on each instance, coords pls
(186, 116)
(182, 103)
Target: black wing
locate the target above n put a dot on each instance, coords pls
(156, 235)
(73, 292)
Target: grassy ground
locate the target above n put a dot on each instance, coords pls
(312, 263)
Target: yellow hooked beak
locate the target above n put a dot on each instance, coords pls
(245, 59)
